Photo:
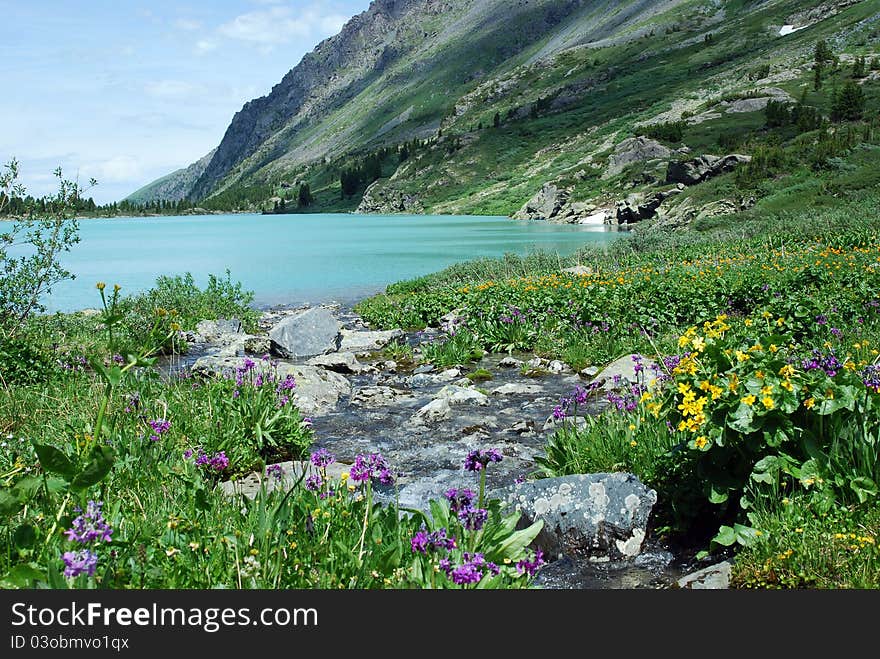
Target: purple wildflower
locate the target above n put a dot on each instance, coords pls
(314, 483)
(460, 499)
(159, 426)
(134, 402)
(217, 462)
(90, 526)
(529, 567)
(558, 413)
(828, 363)
(287, 384)
(423, 542)
(478, 459)
(472, 569)
(871, 378)
(638, 367)
(79, 562)
(473, 519)
(322, 458)
(372, 466)
(275, 471)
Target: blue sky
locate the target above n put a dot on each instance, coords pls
(126, 91)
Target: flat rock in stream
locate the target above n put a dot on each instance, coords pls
(317, 390)
(517, 389)
(428, 379)
(714, 577)
(362, 341)
(597, 516)
(437, 410)
(379, 396)
(456, 395)
(339, 362)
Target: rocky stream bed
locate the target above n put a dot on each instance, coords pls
(425, 420)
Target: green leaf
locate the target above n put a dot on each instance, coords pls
(743, 420)
(737, 534)
(513, 546)
(99, 368)
(55, 484)
(864, 487)
(22, 576)
(26, 488)
(96, 469)
(717, 496)
(25, 536)
(439, 514)
(54, 460)
(114, 375)
(725, 536)
(201, 499)
(55, 578)
(9, 503)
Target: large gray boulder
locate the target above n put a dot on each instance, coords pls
(317, 390)
(545, 205)
(633, 150)
(691, 172)
(596, 516)
(310, 332)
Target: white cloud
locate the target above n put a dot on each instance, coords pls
(280, 24)
(187, 25)
(115, 169)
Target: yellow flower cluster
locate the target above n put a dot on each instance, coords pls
(691, 409)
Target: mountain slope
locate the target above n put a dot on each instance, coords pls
(174, 186)
(566, 82)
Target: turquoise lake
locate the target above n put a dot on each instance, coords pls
(295, 259)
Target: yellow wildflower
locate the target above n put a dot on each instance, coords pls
(701, 441)
(768, 402)
(809, 403)
(748, 400)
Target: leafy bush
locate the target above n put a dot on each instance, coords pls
(764, 414)
(22, 363)
(260, 423)
(180, 300)
(670, 131)
(30, 248)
